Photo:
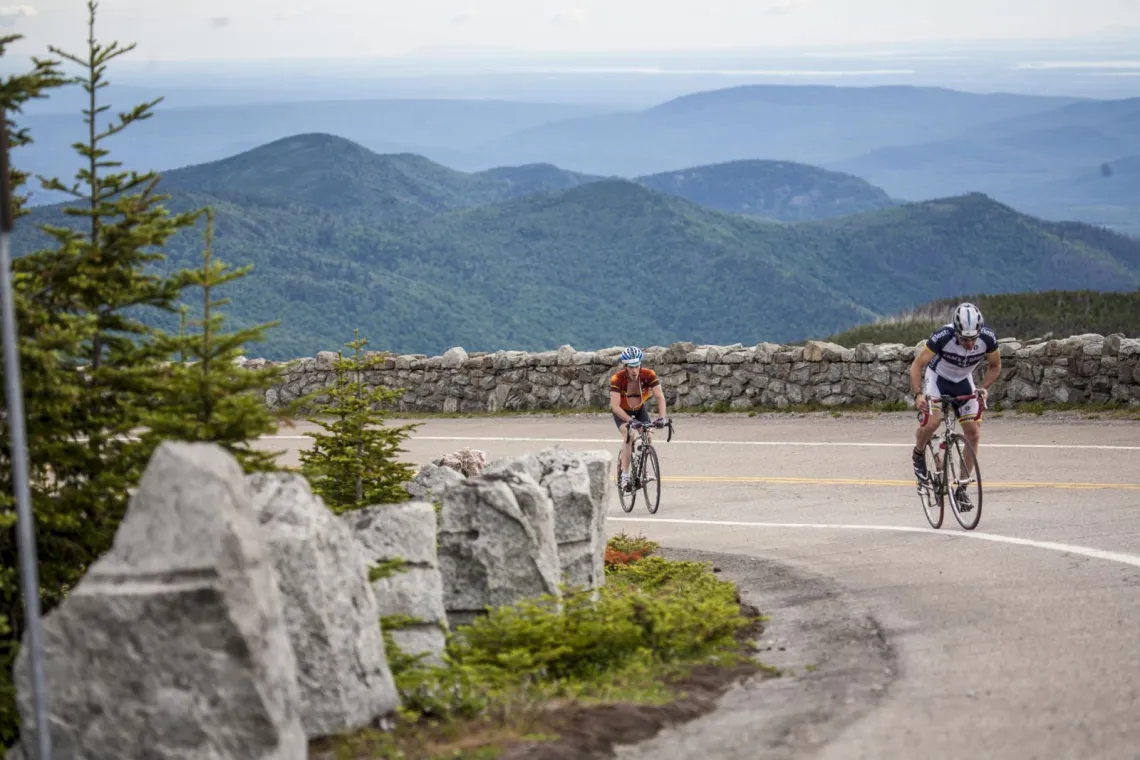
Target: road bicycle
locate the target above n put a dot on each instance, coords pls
(644, 467)
(944, 459)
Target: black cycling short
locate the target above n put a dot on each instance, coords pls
(641, 414)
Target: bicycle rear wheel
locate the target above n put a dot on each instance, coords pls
(651, 479)
(952, 468)
(930, 493)
(627, 498)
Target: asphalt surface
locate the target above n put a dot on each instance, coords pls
(1020, 639)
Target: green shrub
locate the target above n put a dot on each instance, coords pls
(627, 544)
(652, 614)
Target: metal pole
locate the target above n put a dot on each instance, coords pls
(25, 530)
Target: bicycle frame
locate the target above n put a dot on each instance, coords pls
(937, 485)
(641, 449)
(640, 446)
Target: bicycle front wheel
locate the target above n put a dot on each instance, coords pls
(965, 494)
(930, 493)
(627, 498)
(651, 480)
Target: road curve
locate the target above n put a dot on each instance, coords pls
(1019, 640)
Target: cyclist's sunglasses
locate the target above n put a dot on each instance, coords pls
(967, 342)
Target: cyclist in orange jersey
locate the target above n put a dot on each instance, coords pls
(630, 388)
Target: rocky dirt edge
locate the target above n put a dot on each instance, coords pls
(836, 665)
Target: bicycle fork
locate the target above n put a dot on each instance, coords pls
(933, 481)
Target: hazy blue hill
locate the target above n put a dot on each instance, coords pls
(1121, 116)
(337, 175)
(781, 190)
(809, 124)
(1109, 182)
(517, 181)
(962, 163)
(344, 177)
(441, 129)
(1017, 159)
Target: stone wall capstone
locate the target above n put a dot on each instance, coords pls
(1080, 368)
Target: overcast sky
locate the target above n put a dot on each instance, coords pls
(234, 29)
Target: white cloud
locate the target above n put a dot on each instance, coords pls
(575, 15)
(219, 22)
(463, 19)
(783, 7)
(10, 13)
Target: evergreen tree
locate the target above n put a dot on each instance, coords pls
(101, 364)
(36, 361)
(206, 396)
(91, 366)
(354, 464)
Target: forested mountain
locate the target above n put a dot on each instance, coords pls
(602, 263)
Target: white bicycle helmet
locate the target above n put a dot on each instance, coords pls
(632, 356)
(968, 322)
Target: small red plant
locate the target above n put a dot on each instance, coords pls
(615, 557)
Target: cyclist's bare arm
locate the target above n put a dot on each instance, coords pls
(993, 369)
(659, 394)
(917, 368)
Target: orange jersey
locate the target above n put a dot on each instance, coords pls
(643, 387)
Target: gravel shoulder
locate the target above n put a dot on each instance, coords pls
(837, 666)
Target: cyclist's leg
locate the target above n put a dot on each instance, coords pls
(970, 418)
(924, 433)
(627, 445)
(623, 458)
(968, 413)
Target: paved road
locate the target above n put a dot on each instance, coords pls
(1019, 640)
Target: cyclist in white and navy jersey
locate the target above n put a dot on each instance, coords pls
(945, 367)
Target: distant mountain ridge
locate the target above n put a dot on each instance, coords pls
(341, 176)
(913, 142)
(1045, 163)
(813, 124)
(783, 190)
(337, 175)
(537, 270)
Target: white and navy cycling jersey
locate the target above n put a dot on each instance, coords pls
(951, 360)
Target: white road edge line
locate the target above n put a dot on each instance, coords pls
(1121, 557)
(616, 442)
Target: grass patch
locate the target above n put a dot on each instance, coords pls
(386, 569)
(1087, 409)
(658, 643)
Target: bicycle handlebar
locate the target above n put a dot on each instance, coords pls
(638, 425)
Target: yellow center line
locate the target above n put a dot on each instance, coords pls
(886, 482)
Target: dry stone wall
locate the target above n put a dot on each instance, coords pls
(1080, 368)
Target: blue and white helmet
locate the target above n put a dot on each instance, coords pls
(632, 356)
(968, 322)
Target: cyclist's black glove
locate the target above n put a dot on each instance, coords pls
(659, 422)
